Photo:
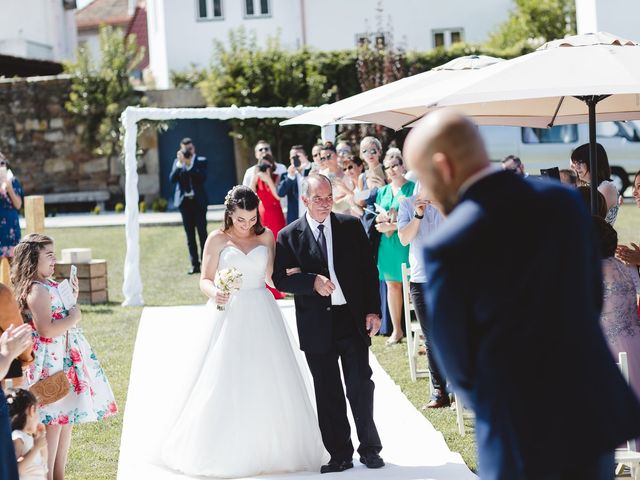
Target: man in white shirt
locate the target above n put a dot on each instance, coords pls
(261, 149)
(290, 184)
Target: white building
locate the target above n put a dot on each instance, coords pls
(38, 29)
(181, 32)
(619, 17)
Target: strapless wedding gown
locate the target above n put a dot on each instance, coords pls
(249, 412)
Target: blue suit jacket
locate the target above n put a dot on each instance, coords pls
(289, 187)
(190, 178)
(514, 299)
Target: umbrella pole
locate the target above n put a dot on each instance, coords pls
(593, 157)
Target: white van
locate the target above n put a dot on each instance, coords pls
(551, 147)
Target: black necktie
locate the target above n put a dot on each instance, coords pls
(322, 241)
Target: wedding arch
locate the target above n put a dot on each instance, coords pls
(132, 284)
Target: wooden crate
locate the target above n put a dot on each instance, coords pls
(92, 280)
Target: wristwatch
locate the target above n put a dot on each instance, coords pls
(419, 217)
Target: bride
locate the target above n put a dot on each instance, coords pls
(249, 412)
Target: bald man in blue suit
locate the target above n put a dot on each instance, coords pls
(514, 298)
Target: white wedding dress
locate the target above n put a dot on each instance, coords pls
(249, 412)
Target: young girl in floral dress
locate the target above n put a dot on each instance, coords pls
(58, 344)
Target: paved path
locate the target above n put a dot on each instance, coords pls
(111, 219)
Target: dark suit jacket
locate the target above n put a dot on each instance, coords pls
(190, 178)
(515, 294)
(289, 188)
(355, 269)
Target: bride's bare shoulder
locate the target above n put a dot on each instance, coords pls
(217, 239)
(266, 237)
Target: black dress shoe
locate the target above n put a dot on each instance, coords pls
(336, 466)
(372, 460)
(193, 270)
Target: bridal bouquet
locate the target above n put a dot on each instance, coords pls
(228, 280)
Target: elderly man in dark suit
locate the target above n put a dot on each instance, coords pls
(189, 173)
(324, 259)
(514, 301)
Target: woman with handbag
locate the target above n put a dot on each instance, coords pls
(65, 376)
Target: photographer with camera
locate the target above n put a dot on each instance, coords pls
(189, 173)
(290, 184)
(261, 150)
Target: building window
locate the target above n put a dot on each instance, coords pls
(447, 36)
(257, 8)
(209, 9)
(438, 39)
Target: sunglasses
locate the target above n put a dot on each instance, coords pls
(344, 151)
(372, 151)
(324, 159)
(3, 163)
(389, 167)
(264, 149)
(350, 167)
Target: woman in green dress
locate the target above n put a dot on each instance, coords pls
(391, 253)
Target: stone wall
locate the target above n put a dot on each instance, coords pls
(40, 139)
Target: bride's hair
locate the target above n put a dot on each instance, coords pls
(246, 199)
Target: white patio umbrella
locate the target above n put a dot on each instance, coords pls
(434, 79)
(562, 82)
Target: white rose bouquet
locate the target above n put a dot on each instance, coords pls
(228, 280)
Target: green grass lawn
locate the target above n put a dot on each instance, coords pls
(111, 330)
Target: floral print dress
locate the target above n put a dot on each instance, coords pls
(9, 221)
(90, 398)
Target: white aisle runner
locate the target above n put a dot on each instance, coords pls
(172, 340)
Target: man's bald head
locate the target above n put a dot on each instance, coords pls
(444, 149)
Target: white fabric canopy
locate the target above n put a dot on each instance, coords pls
(132, 285)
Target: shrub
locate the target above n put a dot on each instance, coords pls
(142, 207)
(96, 210)
(159, 205)
(119, 208)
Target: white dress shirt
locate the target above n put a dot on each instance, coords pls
(337, 297)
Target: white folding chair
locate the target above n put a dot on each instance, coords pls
(413, 331)
(627, 456)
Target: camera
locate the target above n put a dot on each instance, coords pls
(186, 153)
(263, 166)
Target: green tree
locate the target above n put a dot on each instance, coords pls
(244, 74)
(535, 22)
(100, 92)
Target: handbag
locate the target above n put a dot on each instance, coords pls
(53, 388)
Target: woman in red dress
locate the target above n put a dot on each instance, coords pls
(271, 215)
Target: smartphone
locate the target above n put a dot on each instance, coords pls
(73, 273)
(296, 161)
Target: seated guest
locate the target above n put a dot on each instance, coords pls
(391, 253)
(343, 150)
(291, 183)
(619, 317)
(417, 219)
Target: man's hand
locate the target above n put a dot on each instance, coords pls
(292, 170)
(373, 324)
(293, 271)
(15, 340)
(420, 206)
(323, 285)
